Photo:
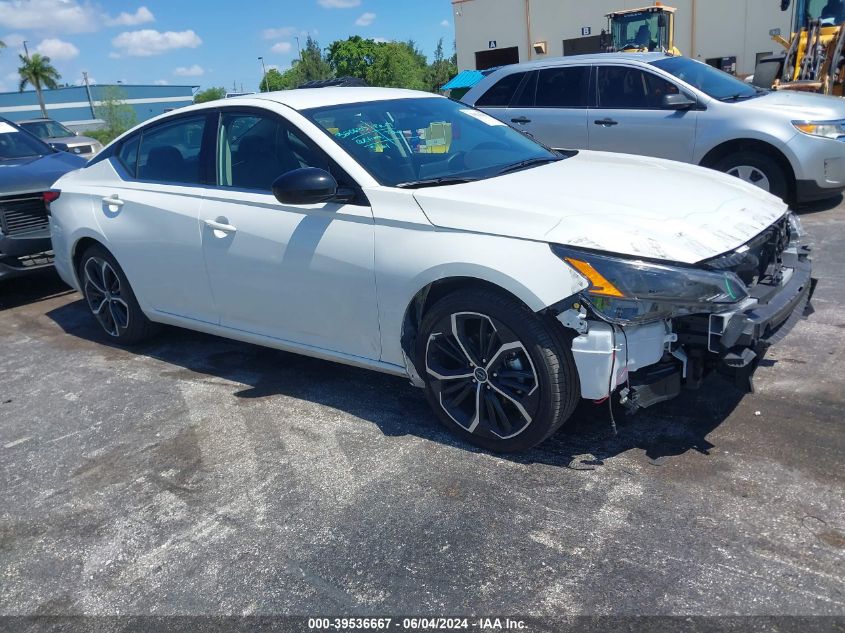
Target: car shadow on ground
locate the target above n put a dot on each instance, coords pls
(399, 409)
(818, 206)
(32, 288)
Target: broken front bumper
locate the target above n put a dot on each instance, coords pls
(742, 338)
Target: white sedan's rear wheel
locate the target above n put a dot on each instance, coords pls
(496, 373)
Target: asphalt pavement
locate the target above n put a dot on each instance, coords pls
(196, 475)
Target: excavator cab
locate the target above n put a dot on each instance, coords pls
(641, 30)
(813, 57)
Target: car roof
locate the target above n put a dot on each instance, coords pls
(305, 98)
(591, 58)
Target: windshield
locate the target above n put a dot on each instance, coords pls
(406, 142)
(46, 129)
(715, 83)
(17, 144)
(644, 29)
(830, 12)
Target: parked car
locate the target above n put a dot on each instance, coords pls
(410, 234)
(787, 143)
(28, 168)
(62, 137)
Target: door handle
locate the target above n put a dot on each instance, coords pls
(606, 122)
(113, 201)
(220, 224)
(520, 119)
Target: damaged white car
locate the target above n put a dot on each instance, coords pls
(409, 234)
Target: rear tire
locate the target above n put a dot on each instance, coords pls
(757, 169)
(498, 375)
(110, 298)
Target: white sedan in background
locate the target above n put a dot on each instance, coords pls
(406, 233)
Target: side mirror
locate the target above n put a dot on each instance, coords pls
(784, 5)
(307, 185)
(678, 102)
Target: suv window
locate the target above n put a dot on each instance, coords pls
(253, 150)
(171, 152)
(500, 95)
(564, 87)
(631, 88)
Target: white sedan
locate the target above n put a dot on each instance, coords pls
(410, 234)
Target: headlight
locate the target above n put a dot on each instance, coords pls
(825, 129)
(628, 290)
(796, 227)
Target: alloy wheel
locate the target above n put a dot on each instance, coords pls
(482, 375)
(103, 292)
(751, 174)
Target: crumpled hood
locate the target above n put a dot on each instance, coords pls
(26, 175)
(629, 205)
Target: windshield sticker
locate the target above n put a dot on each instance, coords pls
(484, 118)
(373, 136)
(5, 128)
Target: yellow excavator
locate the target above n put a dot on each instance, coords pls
(813, 57)
(641, 30)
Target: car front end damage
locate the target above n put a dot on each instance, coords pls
(648, 329)
(25, 244)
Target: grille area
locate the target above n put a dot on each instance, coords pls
(758, 260)
(22, 214)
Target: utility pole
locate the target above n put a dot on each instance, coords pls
(25, 49)
(88, 91)
(298, 48)
(264, 76)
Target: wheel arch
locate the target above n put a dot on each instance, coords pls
(427, 295)
(734, 146)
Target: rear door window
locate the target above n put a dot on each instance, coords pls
(172, 152)
(563, 87)
(502, 92)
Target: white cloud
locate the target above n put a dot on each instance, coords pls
(161, 82)
(366, 19)
(381, 40)
(273, 34)
(445, 24)
(57, 49)
(141, 16)
(65, 16)
(339, 4)
(189, 71)
(282, 48)
(149, 42)
(13, 40)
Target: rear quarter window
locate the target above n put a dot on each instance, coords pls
(500, 95)
(128, 154)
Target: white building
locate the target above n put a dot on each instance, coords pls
(492, 33)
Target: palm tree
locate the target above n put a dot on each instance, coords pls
(37, 71)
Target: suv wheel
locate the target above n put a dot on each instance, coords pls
(496, 373)
(110, 298)
(756, 169)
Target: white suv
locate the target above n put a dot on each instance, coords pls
(409, 234)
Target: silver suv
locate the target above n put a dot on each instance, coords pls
(63, 138)
(788, 143)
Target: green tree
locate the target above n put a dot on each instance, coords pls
(113, 109)
(441, 69)
(398, 65)
(312, 64)
(352, 57)
(209, 94)
(37, 71)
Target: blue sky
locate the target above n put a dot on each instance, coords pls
(206, 43)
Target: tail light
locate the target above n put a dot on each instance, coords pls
(50, 196)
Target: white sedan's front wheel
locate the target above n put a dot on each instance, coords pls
(499, 375)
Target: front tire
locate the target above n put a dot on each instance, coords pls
(498, 375)
(110, 298)
(756, 169)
